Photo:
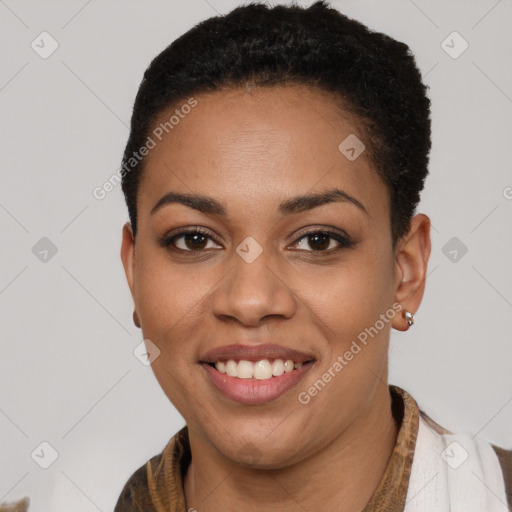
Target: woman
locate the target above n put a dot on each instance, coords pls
(274, 165)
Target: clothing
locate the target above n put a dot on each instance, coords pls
(158, 485)
(17, 506)
(455, 472)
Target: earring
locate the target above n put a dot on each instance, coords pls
(409, 317)
(136, 319)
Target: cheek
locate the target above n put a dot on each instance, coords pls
(169, 296)
(351, 297)
(170, 301)
(349, 313)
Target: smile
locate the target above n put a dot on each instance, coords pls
(255, 374)
(263, 369)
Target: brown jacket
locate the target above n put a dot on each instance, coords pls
(157, 486)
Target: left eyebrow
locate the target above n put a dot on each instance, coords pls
(310, 201)
(297, 204)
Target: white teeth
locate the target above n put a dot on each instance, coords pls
(232, 368)
(245, 369)
(261, 370)
(277, 367)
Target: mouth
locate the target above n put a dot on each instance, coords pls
(255, 374)
(263, 369)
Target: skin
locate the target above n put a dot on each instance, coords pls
(250, 150)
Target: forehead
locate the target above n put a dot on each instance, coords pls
(264, 143)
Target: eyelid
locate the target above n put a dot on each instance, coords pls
(344, 240)
(167, 238)
(324, 229)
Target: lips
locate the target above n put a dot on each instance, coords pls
(255, 387)
(254, 353)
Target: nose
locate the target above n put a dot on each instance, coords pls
(253, 290)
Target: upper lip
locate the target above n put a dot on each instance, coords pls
(254, 353)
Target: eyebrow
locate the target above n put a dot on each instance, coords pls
(294, 205)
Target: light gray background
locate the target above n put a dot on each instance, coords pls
(67, 372)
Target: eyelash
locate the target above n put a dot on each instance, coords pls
(344, 240)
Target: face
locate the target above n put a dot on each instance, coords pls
(287, 257)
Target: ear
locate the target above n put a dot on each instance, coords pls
(411, 261)
(128, 256)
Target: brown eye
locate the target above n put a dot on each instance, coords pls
(195, 241)
(190, 240)
(323, 241)
(319, 241)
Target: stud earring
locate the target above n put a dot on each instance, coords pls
(409, 317)
(136, 319)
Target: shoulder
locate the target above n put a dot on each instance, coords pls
(135, 495)
(159, 479)
(436, 427)
(16, 506)
(505, 458)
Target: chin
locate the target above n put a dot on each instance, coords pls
(262, 452)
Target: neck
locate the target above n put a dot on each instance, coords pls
(347, 470)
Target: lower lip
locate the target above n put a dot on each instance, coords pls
(255, 391)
